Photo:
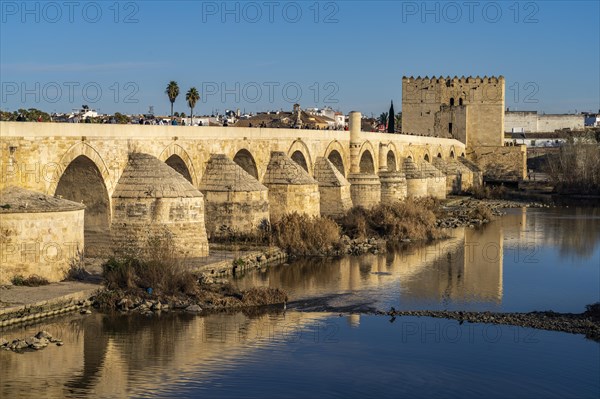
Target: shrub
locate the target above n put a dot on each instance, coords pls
(158, 268)
(480, 212)
(31, 281)
(593, 310)
(412, 218)
(489, 192)
(76, 271)
(305, 235)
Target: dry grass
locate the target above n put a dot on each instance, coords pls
(76, 270)
(31, 281)
(480, 211)
(489, 192)
(158, 269)
(305, 235)
(414, 219)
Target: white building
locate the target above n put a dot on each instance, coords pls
(532, 122)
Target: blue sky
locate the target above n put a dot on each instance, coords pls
(351, 55)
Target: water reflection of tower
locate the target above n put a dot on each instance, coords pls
(483, 262)
(467, 267)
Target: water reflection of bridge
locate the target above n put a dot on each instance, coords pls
(108, 356)
(466, 267)
(117, 356)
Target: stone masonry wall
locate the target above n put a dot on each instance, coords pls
(365, 190)
(40, 243)
(242, 211)
(138, 219)
(501, 163)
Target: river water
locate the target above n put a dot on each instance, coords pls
(323, 346)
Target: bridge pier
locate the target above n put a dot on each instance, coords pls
(234, 200)
(436, 180)
(416, 180)
(291, 189)
(334, 189)
(393, 187)
(41, 235)
(476, 173)
(157, 209)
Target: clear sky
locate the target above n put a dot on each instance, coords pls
(350, 55)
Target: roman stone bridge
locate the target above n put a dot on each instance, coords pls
(36, 155)
(244, 174)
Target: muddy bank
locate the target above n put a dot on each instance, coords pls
(207, 296)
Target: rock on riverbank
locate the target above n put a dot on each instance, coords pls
(39, 341)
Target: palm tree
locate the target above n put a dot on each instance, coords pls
(383, 118)
(191, 97)
(398, 119)
(172, 91)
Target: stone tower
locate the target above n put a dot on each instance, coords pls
(470, 110)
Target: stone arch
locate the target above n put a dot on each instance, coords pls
(75, 151)
(300, 154)
(439, 152)
(392, 157)
(178, 158)
(427, 154)
(452, 152)
(366, 159)
(336, 153)
(177, 163)
(82, 182)
(246, 161)
(336, 159)
(391, 161)
(298, 157)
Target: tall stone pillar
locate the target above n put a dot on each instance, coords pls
(355, 121)
(383, 166)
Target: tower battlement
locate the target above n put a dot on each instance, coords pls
(455, 79)
(470, 109)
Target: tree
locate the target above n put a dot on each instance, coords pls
(121, 119)
(392, 118)
(398, 120)
(192, 96)
(383, 117)
(172, 91)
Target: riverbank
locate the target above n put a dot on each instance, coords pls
(586, 323)
(209, 291)
(31, 304)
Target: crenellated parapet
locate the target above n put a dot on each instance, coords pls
(469, 109)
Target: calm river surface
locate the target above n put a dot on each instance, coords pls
(526, 260)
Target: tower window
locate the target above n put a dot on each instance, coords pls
(450, 127)
(452, 101)
(460, 101)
